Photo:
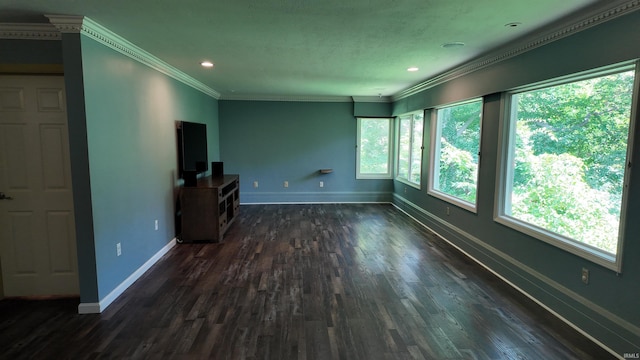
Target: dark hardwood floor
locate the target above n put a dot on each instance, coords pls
(347, 281)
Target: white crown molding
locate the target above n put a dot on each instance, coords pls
(601, 15)
(372, 99)
(292, 98)
(97, 32)
(18, 31)
(307, 98)
(67, 23)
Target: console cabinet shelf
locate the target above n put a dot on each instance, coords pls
(209, 208)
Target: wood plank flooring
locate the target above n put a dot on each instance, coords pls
(330, 281)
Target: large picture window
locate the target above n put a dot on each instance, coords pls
(410, 130)
(455, 153)
(373, 155)
(564, 160)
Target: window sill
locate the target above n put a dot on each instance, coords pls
(600, 257)
(454, 201)
(407, 182)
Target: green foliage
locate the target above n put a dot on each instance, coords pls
(589, 119)
(569, 156)
(458, 172)
(404, 147)
(374, 146)
(416, 149)
(571, 144)
(557, 198)
(459, 129)
(410, 147)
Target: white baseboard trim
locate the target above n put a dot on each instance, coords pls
(319, 197)
(96, 308)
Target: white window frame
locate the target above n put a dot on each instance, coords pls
(434, 159)
(412, 119)
(389, 173)
(504, 172)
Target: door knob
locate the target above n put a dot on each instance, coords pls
(5, 197)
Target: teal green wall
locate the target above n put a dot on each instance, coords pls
(129, 146)
(608, 308)
(79, 157)
(273, 142)
(371, 109)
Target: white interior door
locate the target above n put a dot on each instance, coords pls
(37, 231)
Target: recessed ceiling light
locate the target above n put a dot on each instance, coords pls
(513, 24)
(207, 64)
(453, 44)
(413, 68)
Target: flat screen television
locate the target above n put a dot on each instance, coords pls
(192, 147)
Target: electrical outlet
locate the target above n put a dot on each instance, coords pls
(156, 225)
(321, 183)
(118, 249)
(286, 184)
(255, 184)
(585, 275)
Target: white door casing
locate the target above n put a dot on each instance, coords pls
(37, 230)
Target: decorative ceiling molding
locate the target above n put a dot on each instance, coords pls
(67, 23)
(592, 19)
(97, 32)
(372, 99)
(29, 32)
(299, 98)
(308, 98)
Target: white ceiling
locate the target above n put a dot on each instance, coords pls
(313, 48)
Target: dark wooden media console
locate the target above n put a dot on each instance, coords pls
(209, 208)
